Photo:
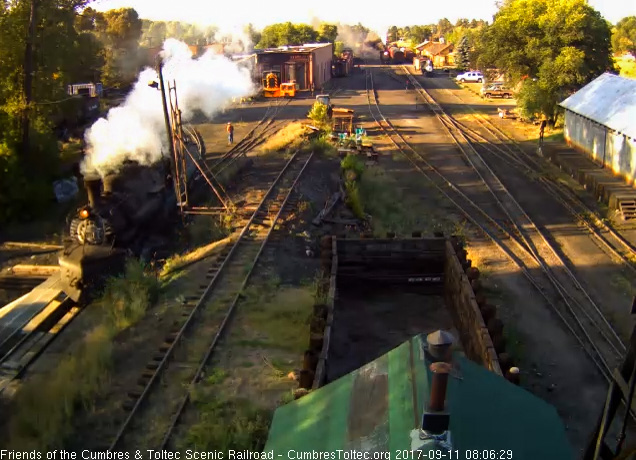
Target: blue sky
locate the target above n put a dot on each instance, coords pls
(375, 15)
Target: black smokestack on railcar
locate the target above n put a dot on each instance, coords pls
(93, 185)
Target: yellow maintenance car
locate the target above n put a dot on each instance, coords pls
(272, 86)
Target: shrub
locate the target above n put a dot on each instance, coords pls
(127, 297)
(318, 114)
(354, 164)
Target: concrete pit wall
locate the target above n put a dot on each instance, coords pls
(459, 283)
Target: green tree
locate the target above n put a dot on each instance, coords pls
(286, 34)
(463, 58)
(327, 33)
(444, 26)
(392, 34)
(624, 35)
(420, 34)
(562, 44)
(119, 31)
(253, 35)
(64, 51)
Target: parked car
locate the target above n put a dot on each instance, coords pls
(496, 90)
(470, 77)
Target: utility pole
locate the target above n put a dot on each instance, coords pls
(28, 80)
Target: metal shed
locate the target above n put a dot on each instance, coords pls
(378, 409)
(599, 121)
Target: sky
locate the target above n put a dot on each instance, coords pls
(229, 14)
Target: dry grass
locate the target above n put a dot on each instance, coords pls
(290, 137)
(44, 406)
(235, 400)
(181, 261)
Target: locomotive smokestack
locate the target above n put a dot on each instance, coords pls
(93, 185)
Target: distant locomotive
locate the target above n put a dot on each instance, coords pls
(343, 66)
(129, 212)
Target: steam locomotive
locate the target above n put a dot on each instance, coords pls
(129, 212)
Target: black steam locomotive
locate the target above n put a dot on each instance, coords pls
(129, 212)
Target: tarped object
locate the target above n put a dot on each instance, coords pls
(65, 189)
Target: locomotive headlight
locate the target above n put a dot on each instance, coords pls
(84, 214)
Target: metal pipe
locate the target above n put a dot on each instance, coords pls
(438, 386)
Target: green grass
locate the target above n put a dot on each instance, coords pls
(394, 210)
(321, 146)
(44, 407)
(280, 315)
(227, 424)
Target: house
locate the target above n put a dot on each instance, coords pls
(599, 122)
(398, 404)
(439, 52)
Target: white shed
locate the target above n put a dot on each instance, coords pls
(600, 121)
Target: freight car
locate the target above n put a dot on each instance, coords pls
(129, 212)
(339, 68)
(396, 54)
(342, 66)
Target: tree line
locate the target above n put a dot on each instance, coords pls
(553, 47)
(44, 46)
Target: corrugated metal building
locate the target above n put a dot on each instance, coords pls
(600, 122)
(307, 64)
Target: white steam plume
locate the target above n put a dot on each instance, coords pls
(235, 39)
(136, 130)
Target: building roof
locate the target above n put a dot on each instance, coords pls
(306, 48)
(609, 100)
(424, 44)
(436, 48)
(378, 407)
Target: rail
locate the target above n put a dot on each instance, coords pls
(496, 232)
(241, 242)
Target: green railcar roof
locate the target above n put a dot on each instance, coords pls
(377, 408)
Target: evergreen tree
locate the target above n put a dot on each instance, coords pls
(463, 58)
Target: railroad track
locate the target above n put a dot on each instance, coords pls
(252, 138)
(508, 150)
(505, 222)
(164, 387)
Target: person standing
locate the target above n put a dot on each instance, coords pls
(230, 132)
(542, 130)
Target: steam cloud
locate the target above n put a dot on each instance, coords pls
(136, 130)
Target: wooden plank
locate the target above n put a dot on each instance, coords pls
(37, 271)
(35, 246)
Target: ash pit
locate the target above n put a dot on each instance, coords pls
(369, 322)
